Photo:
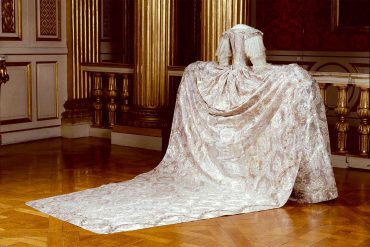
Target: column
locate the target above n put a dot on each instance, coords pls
(216, 17)
(152, 56)
(85, 44)
(82, 24)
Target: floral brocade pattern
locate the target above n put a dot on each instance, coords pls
(242, 140)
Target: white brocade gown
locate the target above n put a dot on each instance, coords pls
(242, 140)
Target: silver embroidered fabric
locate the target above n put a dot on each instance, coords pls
(243, 139)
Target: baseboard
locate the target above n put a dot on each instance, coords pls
(100, 133)
(75, 130)
(78, 130)
(137, 137)
(360, 163)
(339, 161)
(343, 161)
(137, 130)
(30, 135)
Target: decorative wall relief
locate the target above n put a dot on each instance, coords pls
(48, 20)
(7, 9)
(10, 20)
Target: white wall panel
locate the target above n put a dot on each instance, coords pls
(16, 94)
(47, 90)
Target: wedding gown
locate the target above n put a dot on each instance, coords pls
(243, 139)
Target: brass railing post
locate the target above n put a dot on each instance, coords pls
(125, 107)
(98, 104)
(111, 95)
(342, 125)
(323, 87)
(363, 129)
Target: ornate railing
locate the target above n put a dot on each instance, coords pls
(342, 82)
(112, 85)
(110, 92)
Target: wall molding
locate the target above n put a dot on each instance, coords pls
(10, 50)
(28, 113)
(12, 137)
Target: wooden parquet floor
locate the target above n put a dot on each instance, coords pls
(45, 168)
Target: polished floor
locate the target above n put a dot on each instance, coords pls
(45, 168)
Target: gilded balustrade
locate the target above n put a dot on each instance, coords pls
(112, 95)
(115, 98)
(342, 81)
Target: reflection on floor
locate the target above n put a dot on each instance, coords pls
(45, 168)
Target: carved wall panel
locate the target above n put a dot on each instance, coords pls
(48, 19)
(10, 20)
